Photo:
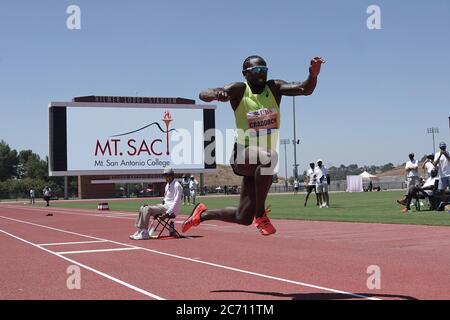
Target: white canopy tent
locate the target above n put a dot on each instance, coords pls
(355, 183)
(367, 176)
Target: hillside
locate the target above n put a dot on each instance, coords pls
(399, 171)
(223, 176)
(226, 176)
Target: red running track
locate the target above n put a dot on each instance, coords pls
(304, 260)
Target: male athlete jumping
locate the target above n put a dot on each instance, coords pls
(256, 107)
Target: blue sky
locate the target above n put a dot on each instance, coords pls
(378, 92)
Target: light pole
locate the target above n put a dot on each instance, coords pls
(295, 142)
(285, 142)
(433, 130)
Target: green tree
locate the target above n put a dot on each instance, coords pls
(8, 161)
(31, 166)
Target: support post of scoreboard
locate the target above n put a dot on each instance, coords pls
(202, 184)
(66, 187)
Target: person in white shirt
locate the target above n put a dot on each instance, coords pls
(442, 162)
(412, 172)
(185, 185)
(296, 186)
(47, 194)
(426, 190)
(321, 173)
(428, 165)
(311, 183)
(172, 202)
(193, 189)
(32, 196)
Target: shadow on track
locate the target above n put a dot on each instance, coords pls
(318, 295)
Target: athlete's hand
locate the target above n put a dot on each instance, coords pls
(222, 95)
(316, 63)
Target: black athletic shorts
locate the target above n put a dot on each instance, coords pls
(310, 188)
(233, 159)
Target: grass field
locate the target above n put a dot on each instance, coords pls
(375, 207)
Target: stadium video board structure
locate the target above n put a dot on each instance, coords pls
(100, 136)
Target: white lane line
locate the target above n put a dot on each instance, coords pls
(203, 224)
(126, 284)
(81, 212)
(55, 229)
(69, 243)
(96, 250)
(265, 276)
(217, 265)
(118, 217)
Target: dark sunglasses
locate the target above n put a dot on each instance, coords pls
(257, 69)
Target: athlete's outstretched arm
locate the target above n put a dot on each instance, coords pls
(224, 94)
(302, 88)
(213, 94)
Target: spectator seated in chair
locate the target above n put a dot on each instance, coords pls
(427, 190)
(162, 212)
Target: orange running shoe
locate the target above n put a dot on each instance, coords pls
(194, 218)
(268, 209)
(263, 224)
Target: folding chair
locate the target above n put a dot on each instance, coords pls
(163, 223)
(418, 203)
(431, 198)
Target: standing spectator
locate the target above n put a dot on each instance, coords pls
(322, 177)
(295, 186)
(311, 183)
(193, 189)
(32, 196)
(412, 172)
(47, 193)
(442, 161)
(185, 186)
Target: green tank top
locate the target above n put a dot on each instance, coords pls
(257, 118)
